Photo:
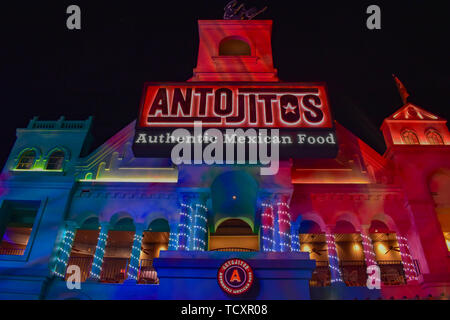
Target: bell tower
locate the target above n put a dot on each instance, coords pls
(235, 50)
(418, 144)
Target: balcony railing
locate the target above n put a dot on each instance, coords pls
(114, 270)
(85, 265)
(147, 274)
(234, 250)
(392, 273)
(11, 252)
(354, 273)
(321, 276)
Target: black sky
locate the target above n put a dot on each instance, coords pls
(49, 71)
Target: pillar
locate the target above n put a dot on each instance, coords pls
(173, 237)
(369, 253)
(407, 259)
(133, 266)
(295, 240)
(99, 252)
(184, 227)
(200, 225)
(336, 275)
(64, 249)
(267, 227)
(283, 222)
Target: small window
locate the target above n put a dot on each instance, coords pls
(26, 160)
(55, 161)
(434, 137)
(234, 47)
(410, 137)
(16, 224)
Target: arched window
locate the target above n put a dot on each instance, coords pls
(26, 160)
(410, 137)
(234, 47)
(434, 137)
(56, 160)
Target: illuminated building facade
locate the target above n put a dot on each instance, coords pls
(144, 228)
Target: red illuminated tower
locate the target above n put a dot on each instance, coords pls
(418, 143)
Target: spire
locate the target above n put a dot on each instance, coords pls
(401, 89)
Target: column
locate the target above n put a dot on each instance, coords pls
(268, 230)
(184, 227)
(200, 225)
(369, 253)
(133, 266)
(65, 248)
(173, 237)
(99, 252)
(336, 276)
(407, 259)
(283, 222)
(295, 240)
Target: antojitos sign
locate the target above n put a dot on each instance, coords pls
(235, 277)
(299, 111)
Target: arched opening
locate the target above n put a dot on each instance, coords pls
(410, 137)
(313, 241)
(234, 196)
(387, 253)
(26, 161)
(83, 247)
(118, 251)
(234, 47)
(56, 160)
(234, 235)
(350, 254)
(155, 240)
(434, 138)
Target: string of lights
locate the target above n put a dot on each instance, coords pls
(199, 230)
(64, 253)
(336, 275)
(173, 241)
(284, 226)
(407, 259)
(369, 252)
(133, 267)
(99, 254)
(268, 229)
(184, 228)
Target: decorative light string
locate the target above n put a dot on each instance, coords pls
(184, 228)
(99, 253)
(336, 275)
(64, 253)
(295, 240)
(199, 230)
(408, 266)
(268, 229)
(284, 226)
(369, 253)
(173, 241)
(133, 267)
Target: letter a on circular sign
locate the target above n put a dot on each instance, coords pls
(235, 277)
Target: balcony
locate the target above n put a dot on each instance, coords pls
(392, 273)
(321, 276)
(147, 274)
(354, 273)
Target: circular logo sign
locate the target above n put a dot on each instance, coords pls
(235, 277)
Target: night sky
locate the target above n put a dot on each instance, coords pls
(49, 71)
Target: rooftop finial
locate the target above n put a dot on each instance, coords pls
(236, 11)
(401, 89)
